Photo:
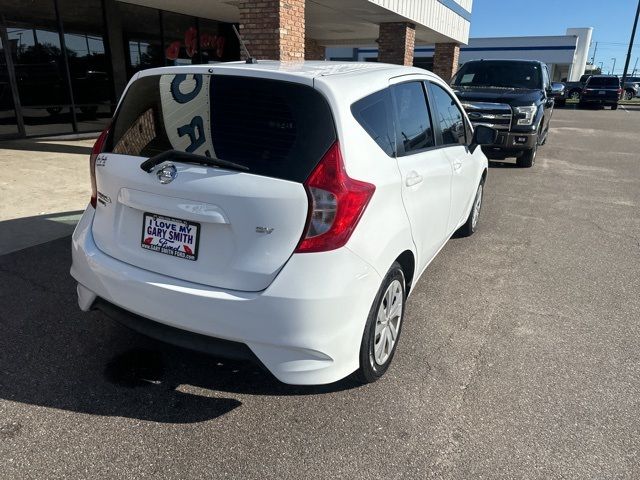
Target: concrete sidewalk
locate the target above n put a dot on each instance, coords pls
(44, 187)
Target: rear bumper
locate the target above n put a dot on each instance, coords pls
(305, 328)
(608, 100)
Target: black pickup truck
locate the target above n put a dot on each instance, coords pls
(515, 97)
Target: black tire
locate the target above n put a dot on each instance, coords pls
(528, 158)
(574, 95)
(614, 107)
(471, 225)
(560, 102)
(628, 95)
(370, 370)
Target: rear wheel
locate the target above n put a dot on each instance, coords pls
(382, 331)
(614, 107)
(628, 94)
(528, 158)
(574, 95)
(471, 224)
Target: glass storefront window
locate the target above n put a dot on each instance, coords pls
(181, 39)
(8, 120)
(141, 32)
(39, 67)
(58, 88)
(218, 42)
(89, 67)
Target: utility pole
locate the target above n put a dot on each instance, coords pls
(601, 66)
(613, 70)
(593, 59)
(633, 74)
(633, 35)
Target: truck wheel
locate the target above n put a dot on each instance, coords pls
(628, 94)
(574, 95)
(528, 158)
(614, 107)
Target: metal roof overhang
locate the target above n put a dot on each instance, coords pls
(351, 22)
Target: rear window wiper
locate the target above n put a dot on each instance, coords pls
(186, 157)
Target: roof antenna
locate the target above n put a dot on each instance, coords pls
(249, 59)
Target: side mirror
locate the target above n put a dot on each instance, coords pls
(557, 89)
(483, 135)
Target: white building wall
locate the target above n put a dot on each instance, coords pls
(566, 55)
(582, 51)
(433, 14)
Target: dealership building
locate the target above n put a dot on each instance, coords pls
(566, 55)
(64, 63)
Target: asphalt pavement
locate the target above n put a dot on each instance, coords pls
(519, 358)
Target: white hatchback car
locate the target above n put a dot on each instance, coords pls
(277, 211)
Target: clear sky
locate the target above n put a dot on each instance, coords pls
(611, 20)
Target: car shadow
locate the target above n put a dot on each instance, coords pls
(53, 355)
(23, 232)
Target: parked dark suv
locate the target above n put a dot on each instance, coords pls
(602, 90)
(515, 97)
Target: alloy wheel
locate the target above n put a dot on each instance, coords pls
(388, 322)
(476, 208)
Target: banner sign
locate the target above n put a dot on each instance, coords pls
(186, 112)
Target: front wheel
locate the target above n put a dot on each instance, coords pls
(528, 158)
(628, 94)
(382, 330)
(614, 107)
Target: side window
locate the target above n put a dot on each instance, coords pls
(413, 125)
(448, 116)
(545, 77)
(373, 113)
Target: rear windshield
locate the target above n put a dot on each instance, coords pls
(277, 129)
(604, 82)
(503, 74)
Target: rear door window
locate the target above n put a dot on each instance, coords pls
(275, 128)
(611, 82)
(374, 114)
(414, 131)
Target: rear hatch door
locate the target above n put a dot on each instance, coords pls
(222, 227)
(605, 88)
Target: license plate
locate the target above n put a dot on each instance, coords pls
(602, 92)
(171, 236)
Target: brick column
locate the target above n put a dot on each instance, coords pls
(445, 60)
(273, 29)
(313, 50)
(396, 43)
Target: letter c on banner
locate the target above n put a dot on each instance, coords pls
(180, 97)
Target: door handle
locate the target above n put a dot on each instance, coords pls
(413, 178)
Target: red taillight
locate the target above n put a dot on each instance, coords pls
(97, 149)
(336, 203)
(619, 91)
